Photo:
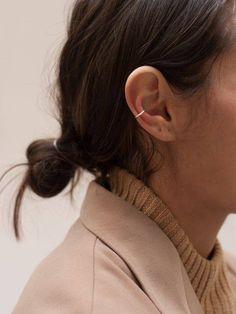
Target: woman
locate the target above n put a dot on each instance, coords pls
(146, 96)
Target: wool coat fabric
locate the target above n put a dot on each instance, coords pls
(113, 260)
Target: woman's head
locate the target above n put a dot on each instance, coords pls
(120, 55)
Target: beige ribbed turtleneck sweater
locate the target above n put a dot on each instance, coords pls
(206, 275)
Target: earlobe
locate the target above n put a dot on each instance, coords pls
(156, 125)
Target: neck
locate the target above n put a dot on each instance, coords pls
(206, 272)
(189, 203)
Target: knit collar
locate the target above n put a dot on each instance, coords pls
(204, 274)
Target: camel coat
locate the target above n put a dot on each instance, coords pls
(113, 260)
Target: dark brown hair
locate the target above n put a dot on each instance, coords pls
(106, 40)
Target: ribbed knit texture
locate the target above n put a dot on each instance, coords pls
(208, 276)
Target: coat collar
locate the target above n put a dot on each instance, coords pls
(144, 246)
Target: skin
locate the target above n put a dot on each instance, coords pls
(198, 178)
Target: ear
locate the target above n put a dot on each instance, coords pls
(147, 89)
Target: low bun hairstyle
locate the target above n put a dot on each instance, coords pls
(106, 40)
(51, 167)
(49, 171)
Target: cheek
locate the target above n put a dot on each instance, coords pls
(221, 132)
(217, 155)
(222, 102)
(224, 116)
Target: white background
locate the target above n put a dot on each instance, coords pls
(31, 34)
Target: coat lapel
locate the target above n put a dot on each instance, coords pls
(142, 244)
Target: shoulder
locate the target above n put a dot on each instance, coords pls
(116, 285)
(63, 279)
(83, 275)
